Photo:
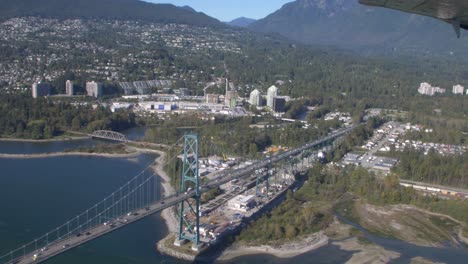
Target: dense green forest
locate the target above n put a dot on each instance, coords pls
(42, 118)
(433, 168)
(445, 130)
(235, 136)
(311, 208)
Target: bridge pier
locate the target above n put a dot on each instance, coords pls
(196, 247)
(179, 242)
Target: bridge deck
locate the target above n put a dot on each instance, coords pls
(93, 233)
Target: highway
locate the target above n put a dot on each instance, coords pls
(57, 247)
(225, 177)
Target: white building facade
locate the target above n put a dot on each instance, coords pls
(40, 89)
(255, 97)
(427, 89)
(271, 94)
(69, 88)
(458, 89)
(94, 89)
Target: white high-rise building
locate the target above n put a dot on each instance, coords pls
(271, 94)
(255, 97)
(427, 89)
(458, 89)
(69, 88)
(40, 89)
(94, 89)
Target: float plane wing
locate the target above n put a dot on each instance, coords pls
(454, 12)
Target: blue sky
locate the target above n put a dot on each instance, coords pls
(227, 10)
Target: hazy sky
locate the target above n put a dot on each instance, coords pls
(227, 10)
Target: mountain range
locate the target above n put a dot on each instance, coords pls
(106, 9)
(338, 23)
(348, 24)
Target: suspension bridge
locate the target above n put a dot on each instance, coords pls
(136, 199)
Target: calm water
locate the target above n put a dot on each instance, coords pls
(135, 133)
(37, 195)
(14, 147)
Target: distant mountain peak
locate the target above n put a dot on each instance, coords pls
(348, 24)
(323, 4)
(241, 22)
(189, 8)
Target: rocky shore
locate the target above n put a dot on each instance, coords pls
(366, 253)
(286, 250)
(168, 214)
(60, 154)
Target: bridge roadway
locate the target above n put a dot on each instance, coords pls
(66, 244)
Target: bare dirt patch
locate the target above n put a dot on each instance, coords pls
(408, 224)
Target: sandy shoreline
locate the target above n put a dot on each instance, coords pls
(367, 253)
(132, 152)
(43, 140)
(287, 250)
(60, 154)
(167, 214)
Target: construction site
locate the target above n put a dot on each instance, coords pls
(240, 200)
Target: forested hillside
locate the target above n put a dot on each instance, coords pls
(105, 9)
